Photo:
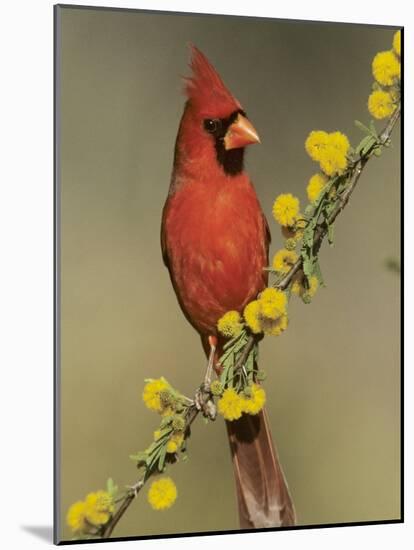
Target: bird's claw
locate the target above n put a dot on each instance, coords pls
(204, 402)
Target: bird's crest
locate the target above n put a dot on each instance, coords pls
(205, 89)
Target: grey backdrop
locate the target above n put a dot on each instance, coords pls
(333, 377)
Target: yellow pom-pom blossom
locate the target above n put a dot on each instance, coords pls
(252, 316)
(175, 442)
(274, 327)
(162, 493)
(151, 393)
(99, 507)
(316, 143)
(254, 402)
(286, 209)
(386, 68)
(333, 162)
(316, 183)
(273, 303)
(230, 405)
(340, 142)
(396, 43)
(333, 159)
(76, 518)
(299, 286)
(380, 104)
(230, 325)
(283, 260)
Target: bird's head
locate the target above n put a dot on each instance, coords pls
(214, 123)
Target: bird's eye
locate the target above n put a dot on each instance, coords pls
(212, 125)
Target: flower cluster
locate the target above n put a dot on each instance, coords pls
(161, 397)
(330, 150)
(232, 403)
(268, 313)
(386, 69)
(87, 516)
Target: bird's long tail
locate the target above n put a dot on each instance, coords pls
(262, 492)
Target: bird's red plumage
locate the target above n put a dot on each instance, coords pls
(214, 234)
(205, 89)
(216, 247)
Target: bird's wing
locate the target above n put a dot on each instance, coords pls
(163, 241)
(267, 230)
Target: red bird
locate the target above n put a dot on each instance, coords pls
(215, 242)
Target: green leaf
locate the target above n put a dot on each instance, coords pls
(139, 457)
(365, 145)
(331, 234)
(309, 210)
(161, 460)
(111, 487)
(318, 273)
(374, 132)
(362, 127)
(165, 421)
(307, 267)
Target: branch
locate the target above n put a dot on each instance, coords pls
(355, 174)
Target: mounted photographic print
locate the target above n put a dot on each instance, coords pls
(228, 286)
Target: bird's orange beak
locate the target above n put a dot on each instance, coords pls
(240, 134)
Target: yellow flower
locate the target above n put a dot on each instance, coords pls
(333, 161)
(283, 260)
(75, 518)
(273, 303)
(254, 402)
(151, 394)
(230, 405)
(98, 507)
(340, 142)
(396, 42)
(286, 209)
(162, 493)
(274, 327)
(299, 287)
(252, 316)
(386, 68)
(316, 183)
(175, 442)
(315, 144)
(380, 104)
(230, 325)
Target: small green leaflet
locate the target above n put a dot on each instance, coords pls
(111, 488)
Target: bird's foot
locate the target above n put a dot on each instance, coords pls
(204, 402)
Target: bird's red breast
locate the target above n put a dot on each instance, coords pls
(214, 234)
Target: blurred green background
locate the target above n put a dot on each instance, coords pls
(334, 377)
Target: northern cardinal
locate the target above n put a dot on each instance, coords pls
(215, 242)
